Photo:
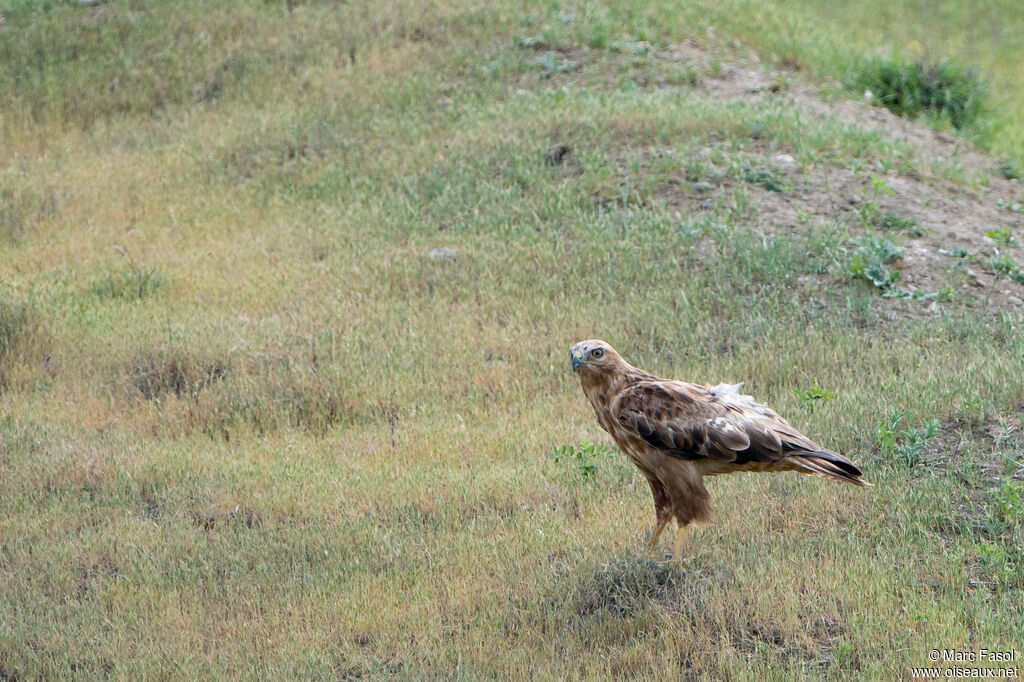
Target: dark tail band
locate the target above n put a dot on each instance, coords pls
(830, 465)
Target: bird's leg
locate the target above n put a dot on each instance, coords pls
(653, 542)
(678, 554)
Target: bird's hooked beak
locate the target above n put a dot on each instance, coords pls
(575, 359)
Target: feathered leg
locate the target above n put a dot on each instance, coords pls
(662, 511)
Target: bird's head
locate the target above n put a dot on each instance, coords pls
(595, 356)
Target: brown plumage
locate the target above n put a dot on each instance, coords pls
(676, 433)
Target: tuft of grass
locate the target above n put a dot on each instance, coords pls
(15, 318)
(157, 373)
(24, 208)
(683, 75)
(273, 397)
(130, 283)
(218, 393)
(915, 88)
(628, 588)
(600, 35)
(226, 512)
(23, 341)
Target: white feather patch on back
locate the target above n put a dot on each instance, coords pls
(730, 393)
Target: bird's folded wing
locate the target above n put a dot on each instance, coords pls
(688, 421)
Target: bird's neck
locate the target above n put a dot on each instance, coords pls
(600, 386)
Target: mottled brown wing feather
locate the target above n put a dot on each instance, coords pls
(692, 422)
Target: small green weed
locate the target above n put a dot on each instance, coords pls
(537, 42)
(963, 257)
(907, 444)
(946, 294)
(958, 252)
(998, 563)
(583, 457)
(845, 653)
(630, 46)
(870, 214)
(897, 223)
(911, 89)
(551, 64)
(1010, 170)
(1009, 501)
(812, 395)
(915, 442)
(871, 261)
(887, 431)
(1006, 266)
(1002, 237)
(769, 179)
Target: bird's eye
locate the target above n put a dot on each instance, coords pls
(597, 353)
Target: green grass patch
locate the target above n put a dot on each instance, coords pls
(915, 88)
(130, 283)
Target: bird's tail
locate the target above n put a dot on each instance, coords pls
(828, 464)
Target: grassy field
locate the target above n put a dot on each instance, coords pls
(255, 425)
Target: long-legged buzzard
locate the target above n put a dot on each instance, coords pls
(676, 433)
